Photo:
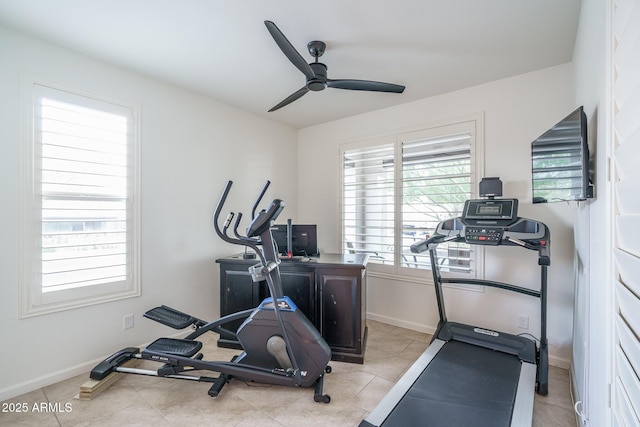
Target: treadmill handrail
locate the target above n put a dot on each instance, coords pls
(491, 283)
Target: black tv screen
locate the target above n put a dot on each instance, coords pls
(560, 161)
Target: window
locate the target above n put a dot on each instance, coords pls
(395, 191)
(368, 200)
(79, 209)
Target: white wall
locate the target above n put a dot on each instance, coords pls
(516, 110)
(190, 147)
(592, 343)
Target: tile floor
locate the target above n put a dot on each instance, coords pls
(355, 390)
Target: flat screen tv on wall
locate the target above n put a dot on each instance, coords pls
(560, 161)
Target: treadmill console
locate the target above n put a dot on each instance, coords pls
(491, 222)
(482, 235)
(485, 220)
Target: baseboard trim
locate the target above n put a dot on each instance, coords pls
(553, 360)
(61, 375)
(47, 380)
(401, 323)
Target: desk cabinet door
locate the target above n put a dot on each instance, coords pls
(340, 301)
(237, 294)
(300, 287)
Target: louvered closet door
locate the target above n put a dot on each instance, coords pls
(626, 102)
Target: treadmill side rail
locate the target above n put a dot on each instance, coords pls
(397, 392)
(523, 406)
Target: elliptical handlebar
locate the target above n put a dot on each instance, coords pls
(216, 215)
(235, 226)
(223, 233)
(260, 224)
(260, 196)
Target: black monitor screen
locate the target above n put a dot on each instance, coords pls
(304, 240)
(279, 234)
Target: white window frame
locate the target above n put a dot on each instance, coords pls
(474, 124)
(33, 300)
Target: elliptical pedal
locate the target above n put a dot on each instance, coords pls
(177, 347)
(171, 317)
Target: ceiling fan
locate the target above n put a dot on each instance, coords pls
(316, 72)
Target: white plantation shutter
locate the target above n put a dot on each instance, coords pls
(368, 202)
(81, 212)
(84, 195)
(396, 189)
(436, 181)
(626, 123)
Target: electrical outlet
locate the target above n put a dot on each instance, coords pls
(127, 321)
(523, 321)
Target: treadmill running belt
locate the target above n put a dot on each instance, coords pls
(464, 385)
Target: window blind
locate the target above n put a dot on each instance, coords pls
(83, 171)
(368, 205)
(436, 181)
(626, 99)
(395, 191)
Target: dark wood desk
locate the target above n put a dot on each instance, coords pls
(330, 290)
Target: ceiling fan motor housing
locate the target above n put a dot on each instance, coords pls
(319, 82)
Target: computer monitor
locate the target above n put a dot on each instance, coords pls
(304, 239)
(279, 234)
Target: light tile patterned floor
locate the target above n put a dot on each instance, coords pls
(355, 390)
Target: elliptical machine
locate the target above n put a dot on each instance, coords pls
(281, 346)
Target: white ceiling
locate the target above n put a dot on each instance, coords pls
(222, 48)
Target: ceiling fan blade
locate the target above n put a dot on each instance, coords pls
(289, 51)
(365, 85)
(289, 99)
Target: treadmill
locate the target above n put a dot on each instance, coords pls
(472, 376)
